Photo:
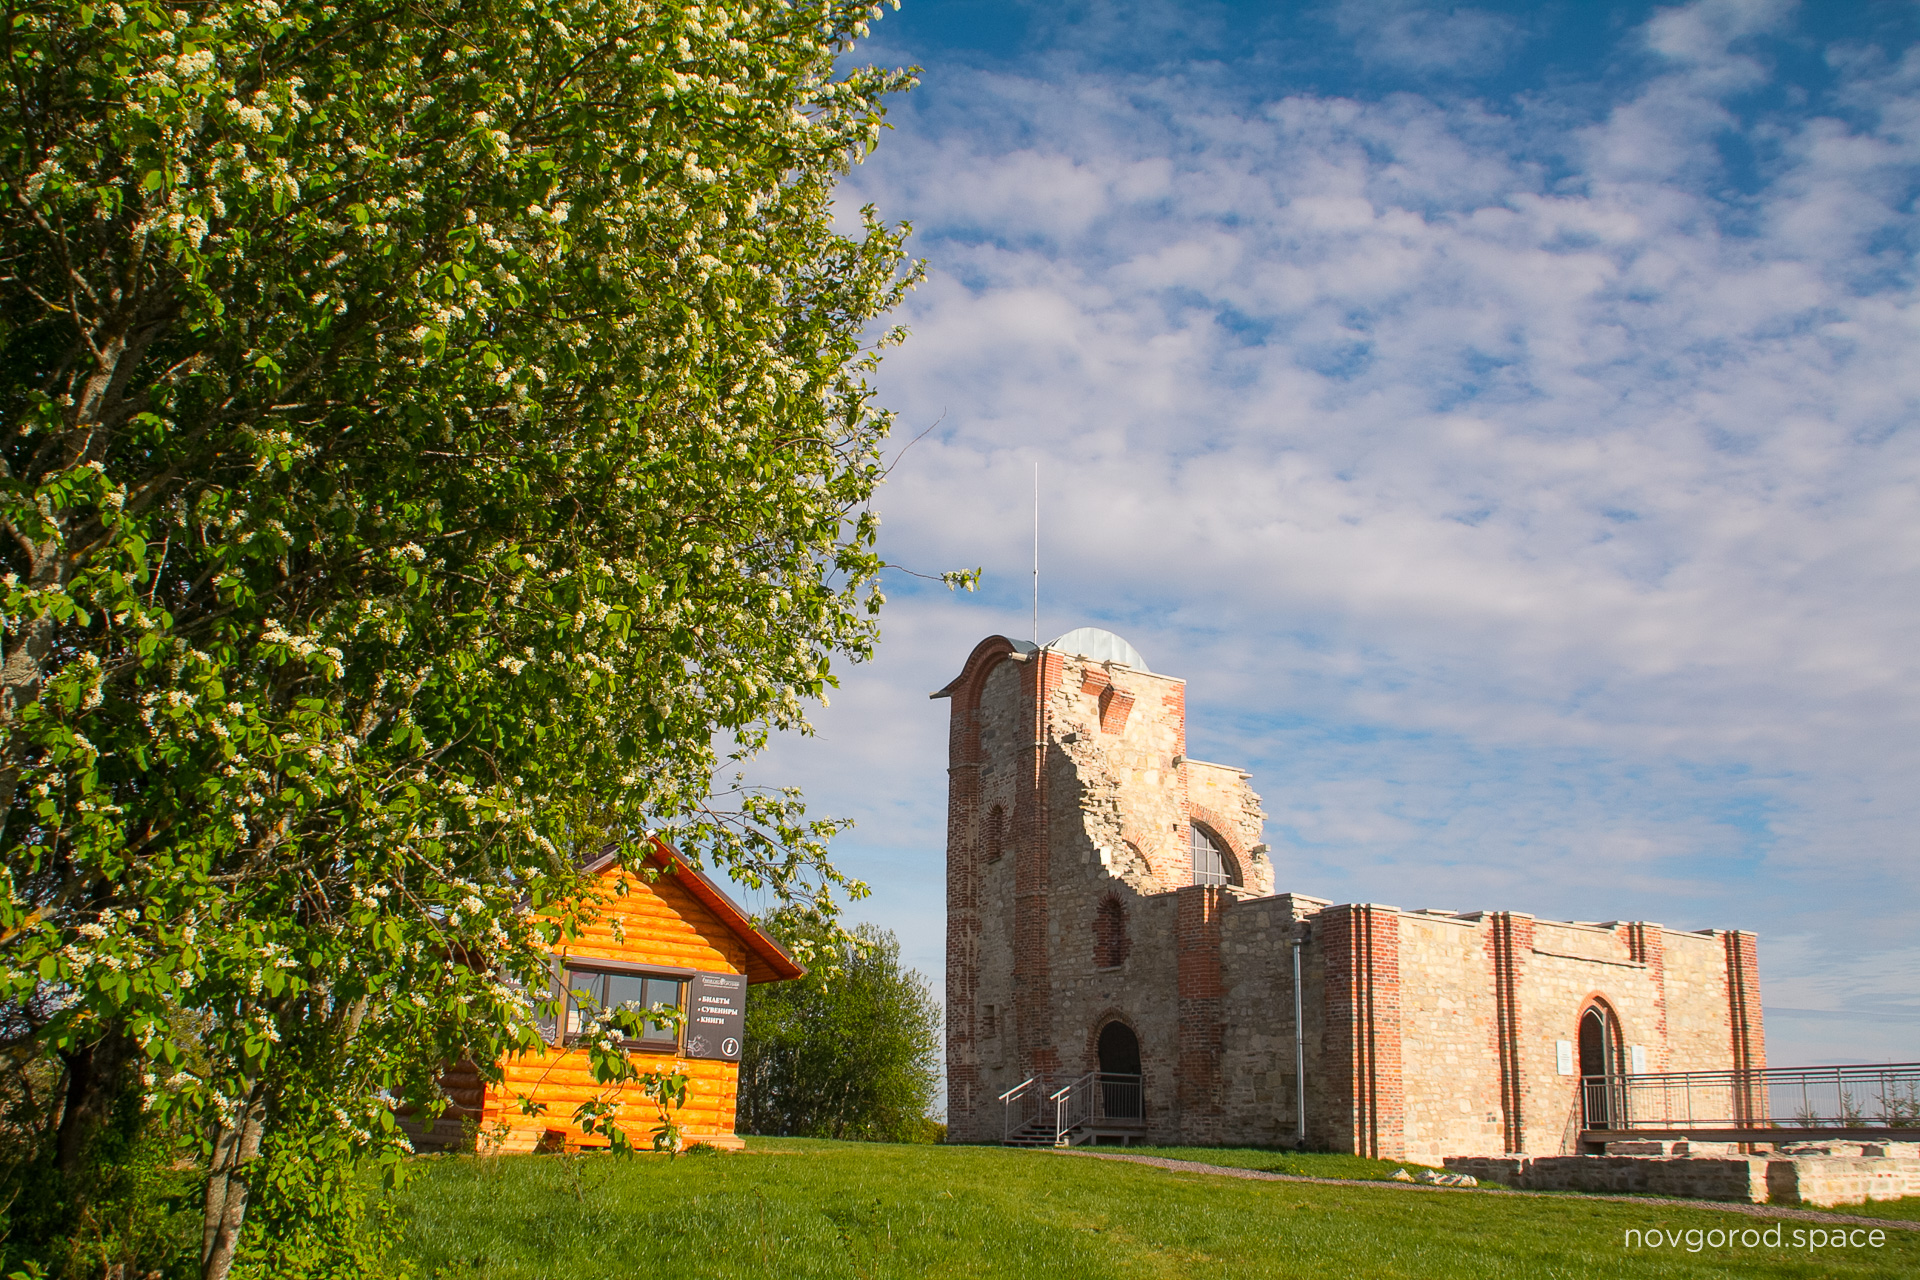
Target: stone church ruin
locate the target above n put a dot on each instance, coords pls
(1118, 956)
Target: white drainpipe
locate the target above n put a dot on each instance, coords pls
(1299, 1046)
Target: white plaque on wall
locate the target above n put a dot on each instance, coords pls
(1563, 1056)
(1637, 1055)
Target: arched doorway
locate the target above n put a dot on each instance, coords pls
(1598, 1066)
(1120, 1091)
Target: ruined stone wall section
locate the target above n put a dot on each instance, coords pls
(1093, 822)
(1093, 865)
(1151, 797)
(1222, 798)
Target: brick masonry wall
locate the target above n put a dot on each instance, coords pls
(1198, 1094)
(1746, 1035)
(1509, 948)
(1647, 943)
(1035, 928)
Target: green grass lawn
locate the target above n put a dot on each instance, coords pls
(793, 1208)
(1907, 1210)
(1268, 1160)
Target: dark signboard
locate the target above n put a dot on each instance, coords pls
(716, 1015)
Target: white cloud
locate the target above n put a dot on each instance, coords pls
(1545, 535)
(1412, 37)
(1703, 33)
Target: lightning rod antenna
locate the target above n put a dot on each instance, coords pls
(1036, 553)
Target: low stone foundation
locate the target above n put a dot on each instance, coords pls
(1742, 1178)
(1682, 1147)
(1820, 1176)
(1825, 1174)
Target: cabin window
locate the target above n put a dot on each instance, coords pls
(589, 991)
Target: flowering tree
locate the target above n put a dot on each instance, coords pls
(417, 413)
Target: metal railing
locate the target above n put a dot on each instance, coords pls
(1023, 1099)
(1856, 1097)
(1122, 1096)
(1095, 1098)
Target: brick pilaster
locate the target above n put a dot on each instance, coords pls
(1745, 1026)
(1512, 947)
(963, 920)
(1199, 1093)
(1362, 1078)
(1647, 944)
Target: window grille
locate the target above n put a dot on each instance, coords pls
(1212, 864)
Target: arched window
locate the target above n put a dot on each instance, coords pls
(1110, 941)
(1212, 864)
(996, 833)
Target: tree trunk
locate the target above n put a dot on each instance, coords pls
(95, 1076)
(234, 1148)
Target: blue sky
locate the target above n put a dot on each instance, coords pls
(1502, 415)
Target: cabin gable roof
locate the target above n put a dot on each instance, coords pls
(766, 960)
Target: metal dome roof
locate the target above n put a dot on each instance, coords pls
(1101, 646)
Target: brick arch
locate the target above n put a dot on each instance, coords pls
(965, 817)
(1153, 851)
(1596, 999)
(1218, 827)
(965, 688)
(1112, 1013)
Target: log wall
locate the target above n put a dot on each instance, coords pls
(653, 922)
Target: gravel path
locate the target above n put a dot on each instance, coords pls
(1750, 1210)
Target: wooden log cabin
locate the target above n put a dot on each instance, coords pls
(672, 936)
